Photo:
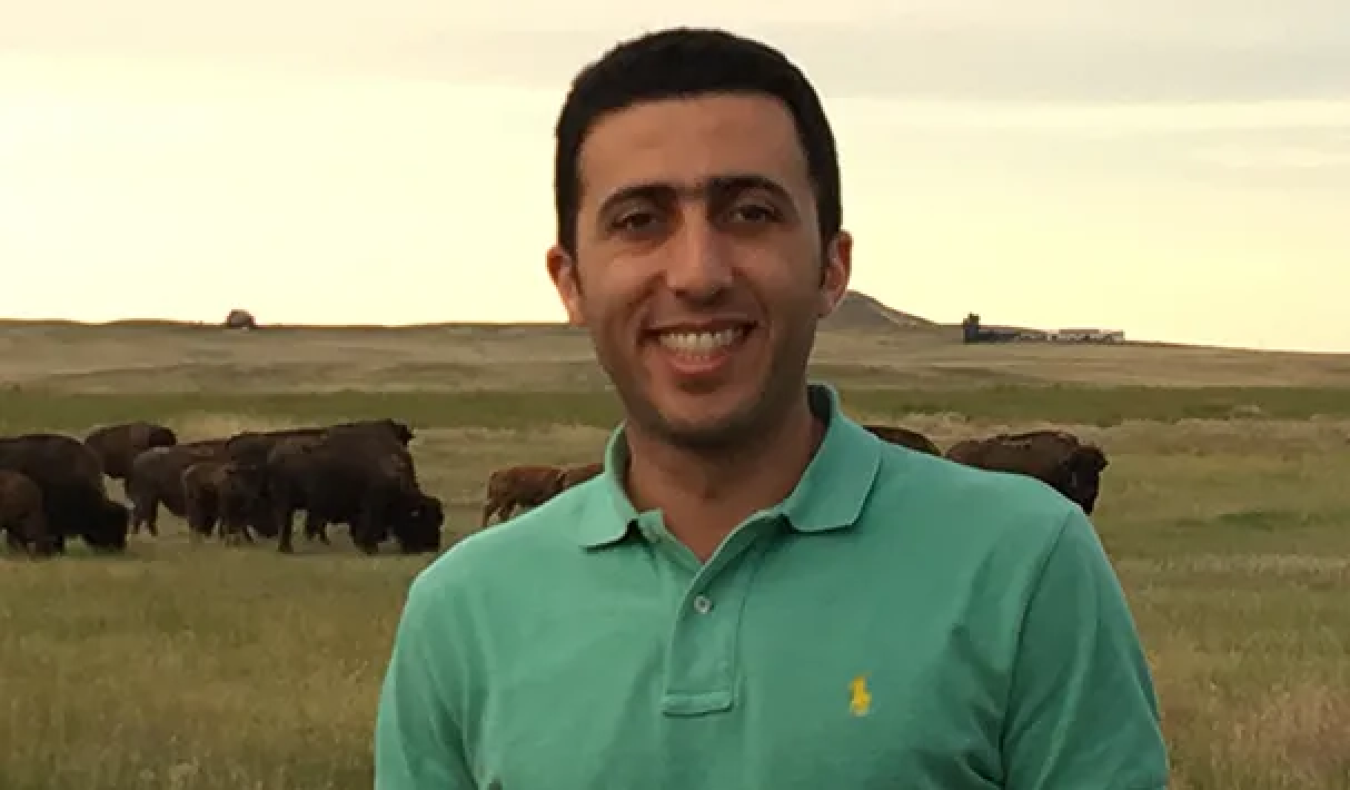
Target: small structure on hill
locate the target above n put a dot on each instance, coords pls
(240, 319)
(972, 332)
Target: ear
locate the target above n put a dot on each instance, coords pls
(838, 268)
(562, 269)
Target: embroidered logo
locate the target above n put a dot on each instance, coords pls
(860, 699)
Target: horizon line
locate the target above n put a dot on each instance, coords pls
(219, 326)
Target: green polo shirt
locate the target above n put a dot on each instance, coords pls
(899, 621)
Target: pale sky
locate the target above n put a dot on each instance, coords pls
(1178, 169)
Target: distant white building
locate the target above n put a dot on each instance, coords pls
(1088, 336)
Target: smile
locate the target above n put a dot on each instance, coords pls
(702, 343)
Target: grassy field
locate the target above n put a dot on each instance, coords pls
(1226, 511)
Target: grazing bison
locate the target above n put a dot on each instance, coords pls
(224, 491)
(415, 523)
(74, 499)
(156, 478)
(904, 436)
(530, 486)
(252, 447)
(355, 476)
(117, 445)
(21, 516)
(283, 467)
(1057, 458)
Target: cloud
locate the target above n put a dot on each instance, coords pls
(1275, 157)
(1109, 119)
(1034, 50)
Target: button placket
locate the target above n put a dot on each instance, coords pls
(700, 659)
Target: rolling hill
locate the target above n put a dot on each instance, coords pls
(859, 312)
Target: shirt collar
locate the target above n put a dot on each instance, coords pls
(829, 496)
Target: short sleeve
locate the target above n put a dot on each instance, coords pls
(1082, 711)
(418, 743)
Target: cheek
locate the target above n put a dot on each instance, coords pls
(613, 292)
(792, 288)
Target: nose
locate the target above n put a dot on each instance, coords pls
(699, 266)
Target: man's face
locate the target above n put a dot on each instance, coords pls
(699, 267)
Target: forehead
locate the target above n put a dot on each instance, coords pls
(687, 141)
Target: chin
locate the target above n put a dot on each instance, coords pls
(703, 427)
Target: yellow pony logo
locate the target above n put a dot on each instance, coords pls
(860, 699)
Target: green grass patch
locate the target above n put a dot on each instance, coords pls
(29, 410)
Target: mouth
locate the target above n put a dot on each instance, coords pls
(702, 352)
(702, 342)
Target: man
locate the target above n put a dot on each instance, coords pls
(756, 592)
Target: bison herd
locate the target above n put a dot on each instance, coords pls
(359, 473)
(1057, 458)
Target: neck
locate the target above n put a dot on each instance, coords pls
(704, 495)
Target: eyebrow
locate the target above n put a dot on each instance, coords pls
(658, 191)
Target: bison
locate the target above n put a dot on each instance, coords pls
(21, 515)
(530, 486)
(252, 447)
(224, 491)
(156, 478)
(1057, 458)
(283, 466)
(356, 476)
(74, 499)
(117, 445)
(417, 526)
(576, 475)
(904, 436)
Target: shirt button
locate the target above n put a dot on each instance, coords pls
(702, 604)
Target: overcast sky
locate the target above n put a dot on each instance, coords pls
(1168, 167)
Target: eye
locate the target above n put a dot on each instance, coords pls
(754, 213)
(634, 222)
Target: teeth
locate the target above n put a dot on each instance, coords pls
(700, 342)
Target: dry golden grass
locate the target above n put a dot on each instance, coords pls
(196, 666)
(184, 358)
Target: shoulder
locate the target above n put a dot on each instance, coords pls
(525, 547)
(966, 506)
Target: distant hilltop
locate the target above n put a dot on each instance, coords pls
(860, 312)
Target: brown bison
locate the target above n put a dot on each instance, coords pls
(21, 516)
(1057, 458)
(576, 475)
(74, 499)
(356, 476)
(225, 492)
(530, 486)
(904, 436)
(156, 478)
(117, 445)
(252, 447)
(283, 465)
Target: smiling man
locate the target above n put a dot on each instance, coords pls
(756, 592)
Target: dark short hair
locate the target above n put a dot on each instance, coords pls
(680, 62)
